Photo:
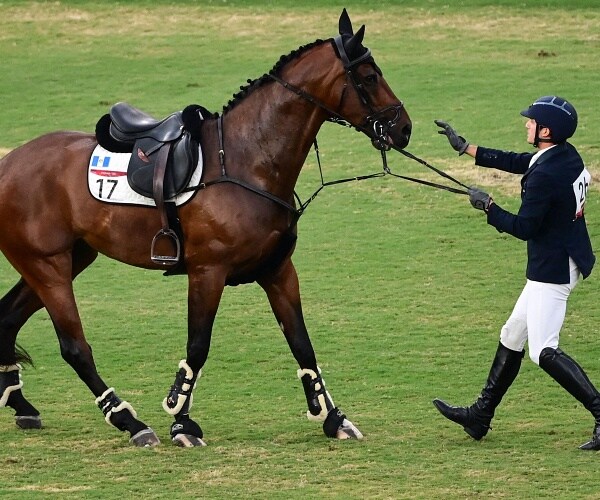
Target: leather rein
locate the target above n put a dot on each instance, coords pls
(374, 128)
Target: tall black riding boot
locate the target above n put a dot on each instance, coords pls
(571, 377)
(476, 418)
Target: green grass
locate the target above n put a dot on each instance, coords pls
(404, 288)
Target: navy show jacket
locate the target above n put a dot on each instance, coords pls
(551, 217)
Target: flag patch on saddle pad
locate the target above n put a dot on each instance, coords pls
(107, 179)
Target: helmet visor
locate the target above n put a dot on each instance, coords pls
(528, 113)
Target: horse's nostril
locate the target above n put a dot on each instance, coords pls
(407, 130)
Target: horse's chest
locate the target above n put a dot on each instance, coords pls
(261, 258)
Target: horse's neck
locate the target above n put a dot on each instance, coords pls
(268, 142)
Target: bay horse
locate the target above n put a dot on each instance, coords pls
(240, 230)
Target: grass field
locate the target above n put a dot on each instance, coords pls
(404, 287)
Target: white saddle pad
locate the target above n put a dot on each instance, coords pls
(107, 179)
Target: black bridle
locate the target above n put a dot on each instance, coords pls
(376, 126)
(375, 121)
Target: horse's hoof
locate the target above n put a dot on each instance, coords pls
(186, 433)
(337, 426)
(347, 430)
(187, 440)
(146, 438)
(28, 421)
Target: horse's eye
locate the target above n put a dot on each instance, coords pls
(371, 79)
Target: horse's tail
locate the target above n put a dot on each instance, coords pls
(22, 356)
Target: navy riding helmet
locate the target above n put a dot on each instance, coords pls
(555, 113)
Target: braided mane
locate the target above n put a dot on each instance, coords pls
(252, 85)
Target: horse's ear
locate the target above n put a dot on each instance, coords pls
(345, 24)
(356, 41)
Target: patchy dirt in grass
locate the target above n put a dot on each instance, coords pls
(438, 23)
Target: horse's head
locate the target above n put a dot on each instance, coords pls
(369, 104)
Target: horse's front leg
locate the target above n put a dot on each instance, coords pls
(204, 295)
(283, 291)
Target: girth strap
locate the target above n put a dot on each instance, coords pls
(265, 194)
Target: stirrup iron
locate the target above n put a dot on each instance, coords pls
(170, 236)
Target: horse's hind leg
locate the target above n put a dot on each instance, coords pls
(50, 280)
(16, 307)
(283, 292)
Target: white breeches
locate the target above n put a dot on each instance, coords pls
(538, 315)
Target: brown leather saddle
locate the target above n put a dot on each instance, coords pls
(164, 155)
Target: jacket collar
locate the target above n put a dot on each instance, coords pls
(546, 155)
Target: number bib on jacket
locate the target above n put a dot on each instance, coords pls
(580, 187)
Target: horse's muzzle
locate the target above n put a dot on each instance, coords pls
(404, 136)
(390, 127)
(385, 138)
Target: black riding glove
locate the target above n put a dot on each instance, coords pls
(480, 199)
(457, 142)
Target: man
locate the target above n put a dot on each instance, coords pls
(551, 220)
